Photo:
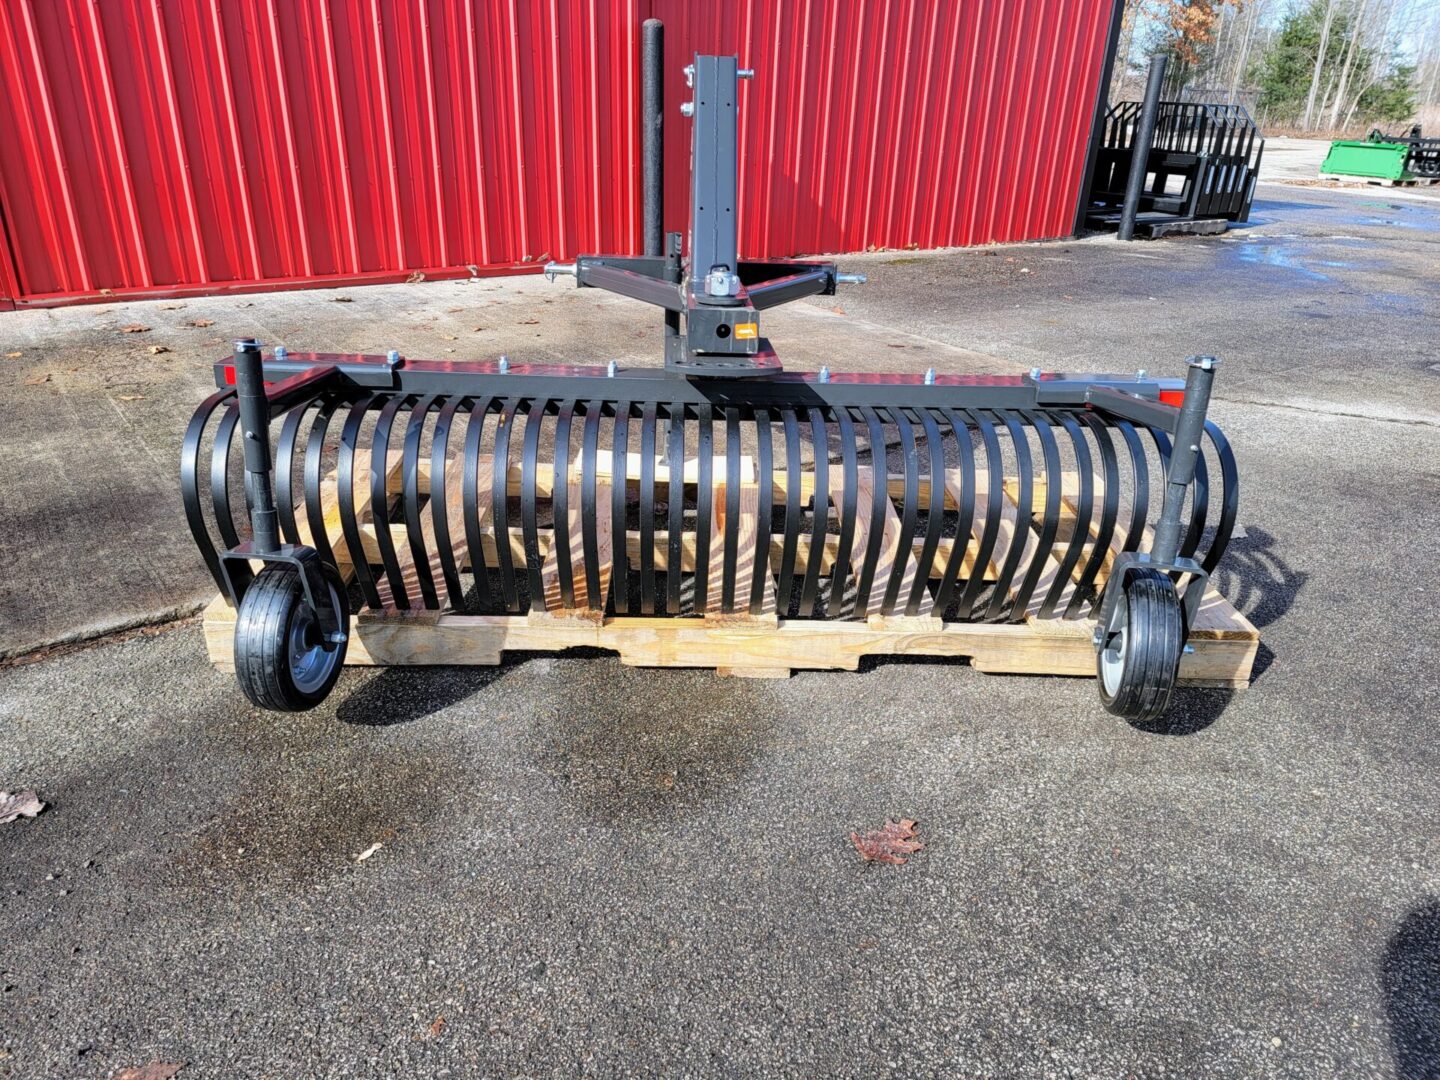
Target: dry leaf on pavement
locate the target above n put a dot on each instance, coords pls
(155, 1070)
(202, 322)
(368, 852)
(889, 844)
(134, 328)
(156, 350)
(21, 804)
(38, 380)
(438, 1026)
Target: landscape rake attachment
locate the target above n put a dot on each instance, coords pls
(718, 511)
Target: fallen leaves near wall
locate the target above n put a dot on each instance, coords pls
(342, 300)
(134, 328)
(156, 350)
(888, 844)
(155, 1070)
(21, 804)
(415, 278)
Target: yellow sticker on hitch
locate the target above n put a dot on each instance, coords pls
(747, 330)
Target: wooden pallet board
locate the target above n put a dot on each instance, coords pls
(1224, 644)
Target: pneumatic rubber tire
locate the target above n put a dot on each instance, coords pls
(280, 662)
(1137, 664)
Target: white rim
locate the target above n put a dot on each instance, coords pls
(1112, 656)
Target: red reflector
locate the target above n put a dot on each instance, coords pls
(229, 374)
(1172, 397)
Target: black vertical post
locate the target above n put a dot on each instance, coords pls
(1144, 136)
(255, 432)
(1188, 432)
(652, 132)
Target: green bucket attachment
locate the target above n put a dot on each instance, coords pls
(1369, 160)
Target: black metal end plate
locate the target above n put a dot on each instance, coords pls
(708, 365)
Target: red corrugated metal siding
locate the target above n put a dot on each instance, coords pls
(177, 145)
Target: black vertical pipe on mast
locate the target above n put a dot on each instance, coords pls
(255, 432)
(1140, 148)
(652, 133)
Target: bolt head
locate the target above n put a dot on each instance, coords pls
(1142, 374)
(1204, 363)
(687, 108)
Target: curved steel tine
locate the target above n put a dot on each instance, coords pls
(440, 498)
(410, 486)
(879, 496)
(1229, 497)
(994, 503)
(345, 497)
(619, 505)
(648, 585)
(284, 471)
(1049, 523)
(820, 454)
(704, 497)
(589, 537)
(1024, 507)
(765, 474)
(965, 509)
(529, 518)
(380, 498)
(190, 483)
(731, 551)
(909, 510)
(1109, 513)
(314, 490)
(785, 587)
(935, 517)
(560, 504)
(1084, 514)
(470, 499)
(675, 454)
(849, 500)
(220, 476)
(1140, 476)
(500, 504)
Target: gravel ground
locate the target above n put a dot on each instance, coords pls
(589, 869)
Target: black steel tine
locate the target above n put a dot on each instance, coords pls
(879, 496)
(439, 500)
(345, 496)
(1084, 513)
(935, 518)
(380, 499)
(675, 454)
(410, 487)
(1140, 475)
(994, 502)
(589, 537)
(648, 586)
(619, 505)
(284, 471)
(965, 509)
(820, 450)
(470, 500)
(731, 551)
(190, 483)
(529, 518)
(500, 501)
(560, 505)
(1229, 497)
(785, 587)
(220, 476)
(314, 461)
(1024, 506)
(1049, 523)
(765, 474)
(1109, 512)
(704, 497)
(909, 510)
(849, 498)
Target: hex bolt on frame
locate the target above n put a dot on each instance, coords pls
(719, 487)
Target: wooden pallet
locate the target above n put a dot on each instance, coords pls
(1224, 642)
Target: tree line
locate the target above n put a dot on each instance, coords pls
(1323, 66)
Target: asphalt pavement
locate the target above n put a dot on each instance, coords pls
(586, 869)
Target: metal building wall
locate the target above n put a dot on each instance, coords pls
(161, 146)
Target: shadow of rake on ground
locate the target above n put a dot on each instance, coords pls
(1410, 982)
